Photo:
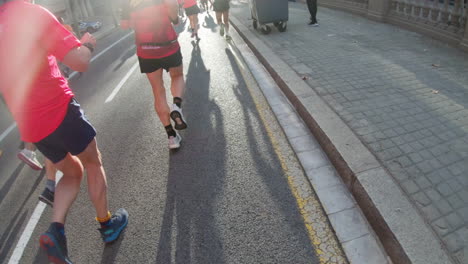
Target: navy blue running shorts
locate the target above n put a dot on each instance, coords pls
(72, 136)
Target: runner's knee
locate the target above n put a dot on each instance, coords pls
(70, 166)
(176, 72)
(91, 156)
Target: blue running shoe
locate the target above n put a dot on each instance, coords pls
(55, 245)
(118, 222)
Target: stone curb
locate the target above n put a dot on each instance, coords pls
(402, 231)
(338, 208)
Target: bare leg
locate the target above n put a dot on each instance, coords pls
(178, 83)
(194, 23)
(29, 146)
(159, 92)
(68, 187)
(51, 170)
(226, 21)
(97, 182)
(218, 18)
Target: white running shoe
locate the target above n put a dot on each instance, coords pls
(174, 142)
(29, 157)
(178, 117)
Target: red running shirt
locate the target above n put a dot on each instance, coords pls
(30, 81)
(155, 37)
(189, 3)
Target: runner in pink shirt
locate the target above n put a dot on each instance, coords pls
(47, 114)
(192, 11)
(158, 50)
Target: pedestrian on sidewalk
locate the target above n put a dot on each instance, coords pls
(312, 6)
(158, 50)
(47, 114)
(192, 11)
(221, 7)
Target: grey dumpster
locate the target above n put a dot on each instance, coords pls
(269, 11)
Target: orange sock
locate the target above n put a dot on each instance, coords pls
(104, 221)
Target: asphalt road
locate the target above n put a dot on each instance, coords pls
(221, 198)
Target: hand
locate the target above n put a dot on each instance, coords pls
(88, 38)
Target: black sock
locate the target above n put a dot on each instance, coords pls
(178, 101)
(170, 131)
(59, 227)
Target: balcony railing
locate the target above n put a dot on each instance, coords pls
(448, 15)
(445, 20)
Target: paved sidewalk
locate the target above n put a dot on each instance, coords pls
(403, 94)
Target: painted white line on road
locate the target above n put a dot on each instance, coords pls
(121, 83)
(40, 207)
(74, 74)
(29, 229)
(110, 47)
(24, 239)
(7, 131)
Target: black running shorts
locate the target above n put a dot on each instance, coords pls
(72, 136)
(193, 10)
(152, 65)
(221, 5)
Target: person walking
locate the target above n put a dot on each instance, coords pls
(312, 6)
(158, 50)
(221, 7)
(48, 115)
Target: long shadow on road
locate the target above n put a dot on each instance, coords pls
(196, 177)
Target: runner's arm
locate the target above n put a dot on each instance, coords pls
(78, 58)
(173, 9)
(62, 44)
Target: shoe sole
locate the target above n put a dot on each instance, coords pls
(178, 120)
(46, 201)
(176, 146)
(116, 235)
(48, 243)
(28, 162)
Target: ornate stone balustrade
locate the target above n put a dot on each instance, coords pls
(442, 19)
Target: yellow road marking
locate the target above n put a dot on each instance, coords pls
(325, 245)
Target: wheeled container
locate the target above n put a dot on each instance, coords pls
(269, 12)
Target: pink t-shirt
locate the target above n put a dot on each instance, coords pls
(155, 37)
(30, 81)
(189, 3)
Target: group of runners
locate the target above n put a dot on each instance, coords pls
(49, 117)
(221, 8)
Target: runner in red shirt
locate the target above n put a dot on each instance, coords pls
(192, 11)
(47, 114)
(158, 49)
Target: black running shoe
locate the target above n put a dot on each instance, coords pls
(47, 197)
(118, 222)
(55, 245)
